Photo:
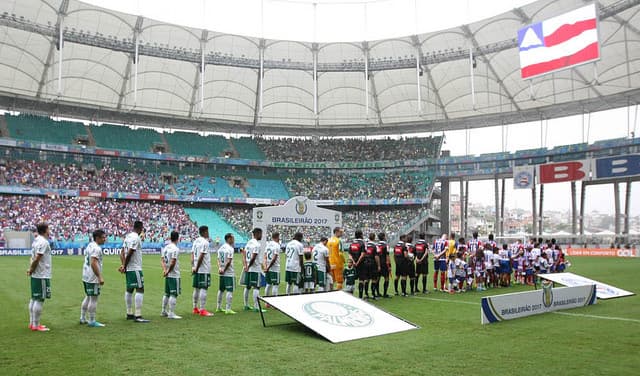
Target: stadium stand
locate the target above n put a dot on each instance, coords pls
(337, 149)
(184, 143)
(206, 186)
(44, 129)
(71, 176)
(267, 188)
(73, 219)
(218, 226)
(363, 186)
(248, 148)
(124, 138)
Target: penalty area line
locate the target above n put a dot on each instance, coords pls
(597, 317)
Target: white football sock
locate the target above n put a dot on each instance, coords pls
(139, 297)
(128, 300)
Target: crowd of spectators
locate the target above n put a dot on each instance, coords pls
(353, 149)
(361, 186)
(391, 221)
(73, 219)
(71, 176)
(345, 185)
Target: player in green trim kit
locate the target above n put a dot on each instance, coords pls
(309, 274)
(252, 270)
(227, 275)
(272, 265)
(349, 275)
(201, 271)
(40, 273)
(171, 272)
(131, 258)
(320, 254)
(92, 279)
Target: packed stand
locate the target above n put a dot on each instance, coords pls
(362, 186)
(356, 150)
(71, 176)
(73, 219)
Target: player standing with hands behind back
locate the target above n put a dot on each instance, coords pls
(92, 279)
(131, 258)
(40, 273)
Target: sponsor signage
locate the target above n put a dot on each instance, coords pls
(152, 196)
(603, 291)
(523, 177)
(521, 304)
(338, 316)
(622, 166)
(602, 252)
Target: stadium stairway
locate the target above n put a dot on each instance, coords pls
(4, 130)
(163, 139)
(92, 140)
(218, 227)
(412, 225)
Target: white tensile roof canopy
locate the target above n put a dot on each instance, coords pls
(98, 73)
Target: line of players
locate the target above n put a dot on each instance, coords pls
(458, 262)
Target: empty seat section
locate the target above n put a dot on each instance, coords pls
(218, 227)
(44, 129)
(267, 188)
(124, 138)
(185, 143)
(248, 148)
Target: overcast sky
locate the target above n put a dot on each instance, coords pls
(357, 20)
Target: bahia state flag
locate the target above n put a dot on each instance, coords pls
(559, 42)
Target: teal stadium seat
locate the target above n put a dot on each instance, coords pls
(44, 129)
(124, 138)
(218, 227)
(184, 143)
(267, 188)
(247, 148)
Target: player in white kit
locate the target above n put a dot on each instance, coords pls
(201, 272)
(131, 258)
(171, 273)
(227, 274)
(294, 250)
(40, 275)
(272, 265)
(92, 279)
(252, 270)
(320, 255)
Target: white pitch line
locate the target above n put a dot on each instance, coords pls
(597, 317)
(445, 300)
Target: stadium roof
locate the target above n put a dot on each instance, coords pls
(98, 73)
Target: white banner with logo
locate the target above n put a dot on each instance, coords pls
(298, 211)
(338, 316)
(523, 177)
(521, 304)
(603, 291)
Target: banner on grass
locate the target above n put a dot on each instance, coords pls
(603, 291)
(338, 316)
(521, 304)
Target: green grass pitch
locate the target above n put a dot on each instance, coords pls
(451, 340)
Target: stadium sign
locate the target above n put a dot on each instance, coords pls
(298, 211)
(602, 252)
(622, 166)
(521, 304)
(603, 291)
